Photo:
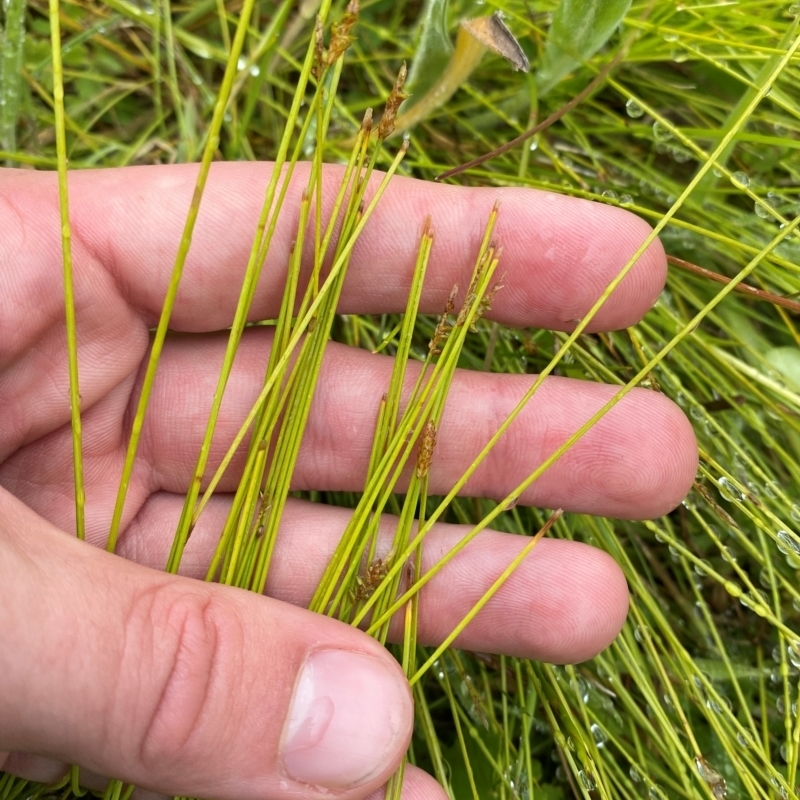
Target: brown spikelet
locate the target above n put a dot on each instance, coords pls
(443, 327)
(366, 123)
(341, 38)
(393, 103)
(375, 572)
(426, 446)
(485, 303)
(319, 49)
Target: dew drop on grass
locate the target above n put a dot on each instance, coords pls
(661, 133)
(787, 543)
(729, 555)
(587, 781)
(625, 200)
(636, 776)
(705, 770)
(598, 734)
(534, 143)
(656, 793)
(740, 179)
(795, 512)
(794, 653)
(743, 739)
(633, 109)
(609, 194)
(670, 37)
(728, 490)
(761, 211)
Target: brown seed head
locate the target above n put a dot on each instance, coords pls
(340, 33)
(426, 446)
(393, 103)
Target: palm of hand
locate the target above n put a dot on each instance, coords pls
(564, 605)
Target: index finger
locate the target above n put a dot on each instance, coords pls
(559, 253)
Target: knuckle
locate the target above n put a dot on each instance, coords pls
(184, 697)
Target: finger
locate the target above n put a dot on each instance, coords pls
(565, 603)
(637, 462)
(33, 768)
(559, 253)
(182, 687)
(417, 785)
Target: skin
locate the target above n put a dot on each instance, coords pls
(92, 640)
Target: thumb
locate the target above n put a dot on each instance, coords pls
(183, 687)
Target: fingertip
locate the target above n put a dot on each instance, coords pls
(587, 601)
(417, 785)
(661, 461)
(576, 248)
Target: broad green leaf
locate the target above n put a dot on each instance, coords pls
(579, 29)
(786, 360)
(432, 52)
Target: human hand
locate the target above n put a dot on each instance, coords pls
(184, 687)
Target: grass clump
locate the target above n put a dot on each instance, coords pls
(693, 124)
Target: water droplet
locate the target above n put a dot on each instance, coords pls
(729, 555)
(680, 155)
(656, 793)
(715, 781)
(740, 179)
(534, 145)
(702, 567)
(795, 512)
(785, 752)
(633, 109)
(625, 200)
(728, 490)
(794, 653)
(743, 738)
(587, 781)
(636, 776)
(761, 210)
(255, 71)
(697, 412)
(794, 9)
(598, 733)
(670, 36)
(750, 601)
(241, 63)
(609, 194)
(771, 489)
(661, 133)
(787, 543)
